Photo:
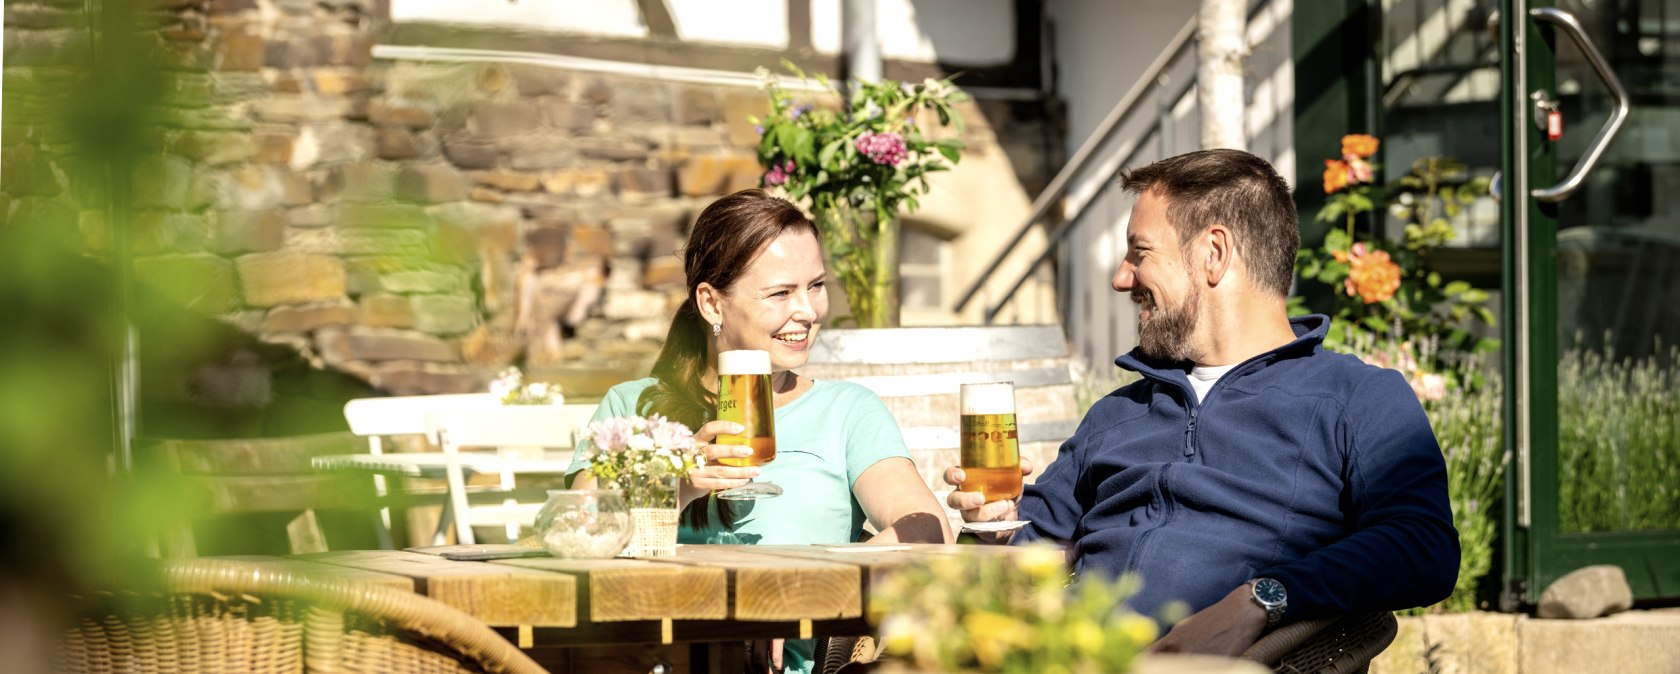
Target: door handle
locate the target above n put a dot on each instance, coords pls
(1566, 21)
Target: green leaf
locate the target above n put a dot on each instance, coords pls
(949, 152)
(1434, 279)
(825, 158)
(1336, 239)
(1455, 288)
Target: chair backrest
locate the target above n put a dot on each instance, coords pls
(245, 476)
(1337, 645)
(406, 415)
(258, 474)
(548, 426)
(223, 615)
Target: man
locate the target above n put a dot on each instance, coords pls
(1249, 473)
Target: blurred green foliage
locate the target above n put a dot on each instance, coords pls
(1618, 441)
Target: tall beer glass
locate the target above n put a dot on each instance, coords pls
(745, 397)
(991, 450)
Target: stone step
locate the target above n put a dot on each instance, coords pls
(1497, 643)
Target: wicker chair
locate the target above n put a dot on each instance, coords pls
(220, 615)
(1326, 646)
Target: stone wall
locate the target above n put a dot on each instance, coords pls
(416, 225)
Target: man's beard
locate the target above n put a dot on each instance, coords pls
(1166, 335)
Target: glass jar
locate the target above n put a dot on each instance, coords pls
(584, 523)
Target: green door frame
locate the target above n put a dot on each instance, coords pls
(1536, 551)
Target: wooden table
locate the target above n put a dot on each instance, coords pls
(568, 612)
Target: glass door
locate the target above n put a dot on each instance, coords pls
(1591, 217)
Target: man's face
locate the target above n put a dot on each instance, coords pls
(1155, 274)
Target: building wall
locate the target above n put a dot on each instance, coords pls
(1101, 50)
(421, 225)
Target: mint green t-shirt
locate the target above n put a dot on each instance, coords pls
(825, 439)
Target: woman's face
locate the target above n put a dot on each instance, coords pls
(777, 304)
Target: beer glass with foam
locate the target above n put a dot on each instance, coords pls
(991, 450)
(745, 397)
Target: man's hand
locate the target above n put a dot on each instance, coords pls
(1227, 628)
(973, 505)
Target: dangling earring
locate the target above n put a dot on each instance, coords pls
(717, 329)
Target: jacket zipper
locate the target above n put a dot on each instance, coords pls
(1190, 433)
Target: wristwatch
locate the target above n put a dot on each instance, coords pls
(1272, 597)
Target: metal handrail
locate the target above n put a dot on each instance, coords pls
(1055, 238)
(1088, 150)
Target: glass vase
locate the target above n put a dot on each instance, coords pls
(863, 251)
(584, 523)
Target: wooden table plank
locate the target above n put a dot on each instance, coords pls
(319, 570)
(876, 562)
(497, 594)
(618, 590)
(772, 587)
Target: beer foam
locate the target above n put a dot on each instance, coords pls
(744, 362)
(996, 397)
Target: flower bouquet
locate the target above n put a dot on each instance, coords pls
(510, 388)
(857, 166)
(645, 459)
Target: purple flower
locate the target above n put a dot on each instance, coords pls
(668, 434)
(759, 129)
(798, 111)
(886, 149)
(779, 173)
(611, 434)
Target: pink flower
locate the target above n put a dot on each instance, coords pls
(1429, 386)
(1359, 170)
(779, 173)
(668, 434)
(611, 434)
(886, 149)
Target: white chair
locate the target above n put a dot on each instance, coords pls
(377, 418)
(552, 428)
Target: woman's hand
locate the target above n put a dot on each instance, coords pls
(715, 475)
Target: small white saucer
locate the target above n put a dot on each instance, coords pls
(994, 527)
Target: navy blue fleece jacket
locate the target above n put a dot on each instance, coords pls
(1301, 464)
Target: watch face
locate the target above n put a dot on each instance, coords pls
(1269, 591)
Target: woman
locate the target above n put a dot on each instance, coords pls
(756, 281)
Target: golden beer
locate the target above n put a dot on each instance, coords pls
(745, 397)
(991, 448)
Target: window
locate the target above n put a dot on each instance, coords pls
(923, 261)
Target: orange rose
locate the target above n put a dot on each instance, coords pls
(1335, 175)
(1359, 145)
(1372, 277)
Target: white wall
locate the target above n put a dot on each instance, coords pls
(606, 18)
(1101, 48)
(968, 32)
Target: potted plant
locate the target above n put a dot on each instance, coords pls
(645, 459)
(856, 166)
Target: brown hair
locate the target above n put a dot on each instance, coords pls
(1235, 189)
(726, 238)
